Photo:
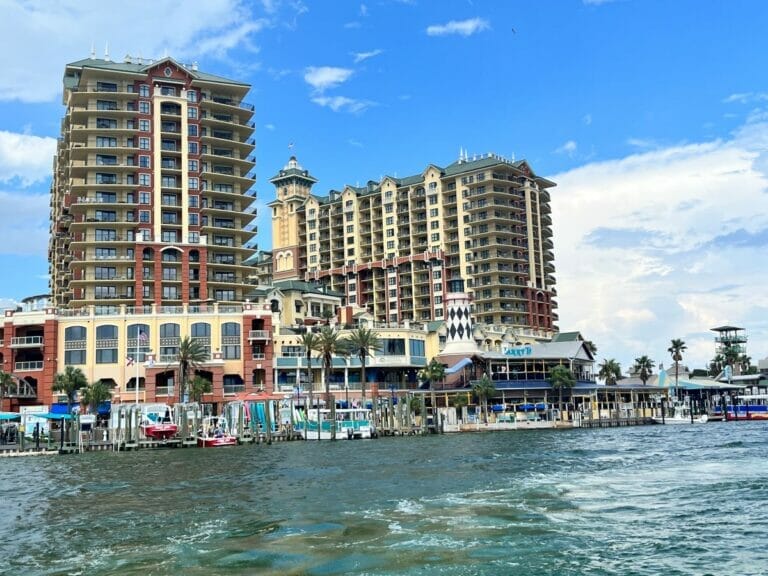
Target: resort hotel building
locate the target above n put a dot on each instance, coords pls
(397, 247)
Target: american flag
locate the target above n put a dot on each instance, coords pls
(129, 360)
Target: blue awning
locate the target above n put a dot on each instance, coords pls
(60, 408)
(498, 407)
(52, 416)
(5, 416)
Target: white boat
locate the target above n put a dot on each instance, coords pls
(215, 433)
(349, 423)
(680, 413)
(157, 421)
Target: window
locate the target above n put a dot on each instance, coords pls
(106, 142)
(191, 96)
(193, 166)
(390, 244)
(106, 105)
(230, 340)
(393, 346)
(224, 295)
(432, 199)
(192, 112)
(144, 197)
(144, 216)
(106, 160)
(143, 107)
(193, 183)
(193, 148)
(434, 225)
(144, 125)
(170, 293)
(144, 91)
(434, 212)
(75, 338)
(106, 123)
(144, 143)
(194, 219)
(416, 347)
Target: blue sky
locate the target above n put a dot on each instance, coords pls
(650, 116)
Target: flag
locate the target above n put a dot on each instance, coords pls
(143, 337)
(129, 360)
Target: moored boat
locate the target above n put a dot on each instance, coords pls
(349, 423)
(157, 421)
(680, 413)
(214, 433)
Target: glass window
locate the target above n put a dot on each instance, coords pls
(201, 330)
(193, 148)
(192, 112)
(144, 91)
(143, 107)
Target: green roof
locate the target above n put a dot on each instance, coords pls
(138, 68)
(567, 337)
(305, 287)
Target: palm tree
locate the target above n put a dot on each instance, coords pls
(6, 381)
(96, 393)
(484, 389)
(363, 342)
(433, 372)
(610, 371)
(561, 377)
(591, 346)
(644, 368)
(69, 383)
(309, 341)
(192, 353)
(676, 349)
(329, 344)
(198, 387)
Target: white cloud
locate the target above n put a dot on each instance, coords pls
(25, 157)
(324, 77)
(342, 103)
(361, 56)
(46, 35)
(568, 148)
(666, 244)
(24, 223)
(460, 27)
(641, 143)
(746, 97)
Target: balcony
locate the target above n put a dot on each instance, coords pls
(259, 335)
(27, 342)
(33, 366)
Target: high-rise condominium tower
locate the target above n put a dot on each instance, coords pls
(397, 247)
(150, 201)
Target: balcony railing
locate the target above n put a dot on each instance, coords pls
(259, 335)
(32, 366)
(26, 341)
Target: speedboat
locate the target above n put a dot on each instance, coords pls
(157, 421)
(680, 413)
(214, 433)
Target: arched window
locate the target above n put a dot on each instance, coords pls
(106, 344)
(75, 338)
(139, 338)
(169, 342)
(201, 331)
(230, 340)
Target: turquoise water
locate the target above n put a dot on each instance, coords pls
(673, 500)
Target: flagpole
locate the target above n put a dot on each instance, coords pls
(136, 359)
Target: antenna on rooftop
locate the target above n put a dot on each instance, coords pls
(106, 52)
(93, 51)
